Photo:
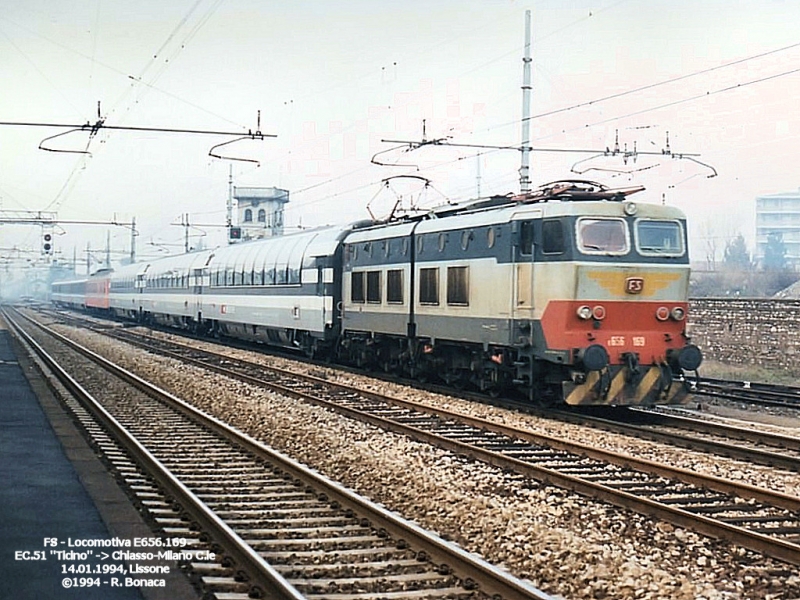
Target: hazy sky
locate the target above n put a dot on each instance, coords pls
(332, 78)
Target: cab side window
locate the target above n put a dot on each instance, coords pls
(553, 241)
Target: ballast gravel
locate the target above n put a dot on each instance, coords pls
(565, 544)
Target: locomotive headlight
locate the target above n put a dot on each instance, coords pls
(599, 312)
(584, 312)
(678, 313)
(662, 313)
(630, 208)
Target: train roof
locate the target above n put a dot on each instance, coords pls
(565, 198)
(320, 241)
(292, 247)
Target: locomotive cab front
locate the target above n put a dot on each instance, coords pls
(609, 300)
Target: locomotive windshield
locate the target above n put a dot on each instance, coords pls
(602, 236)
(659, 237)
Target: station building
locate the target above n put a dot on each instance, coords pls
(260, 211)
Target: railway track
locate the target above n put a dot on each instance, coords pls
(281, 530)
(755, 518)
(754, 446)
(761, 394)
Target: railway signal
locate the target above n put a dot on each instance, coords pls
(47, 243)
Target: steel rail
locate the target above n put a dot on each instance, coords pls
(732, 450)
(780, 549)
(705, 481)
(245, 557)
(762, 394)
(760, 456)
(663, 415)
(466, 566)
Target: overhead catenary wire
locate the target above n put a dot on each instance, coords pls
(89, 126)
(95, 129)
(497, 148)
(700, 96)
(646, 87)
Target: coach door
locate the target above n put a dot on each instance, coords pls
(140, 285)
(200, 279)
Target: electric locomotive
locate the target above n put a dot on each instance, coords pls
(572, 294)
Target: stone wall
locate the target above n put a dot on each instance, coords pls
(741, 331)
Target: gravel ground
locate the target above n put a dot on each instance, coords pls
(565, 544)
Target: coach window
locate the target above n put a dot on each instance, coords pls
(394, 286)
(374, 287)
(357, 287)
(553, 237)
(442, 241)
(420, 244)
(429, 286)
(491, 236)
(602, 236)
(281, 276)
(466, 236)
(295, 264)
(458, 286)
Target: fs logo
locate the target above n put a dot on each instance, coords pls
(634, 285)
